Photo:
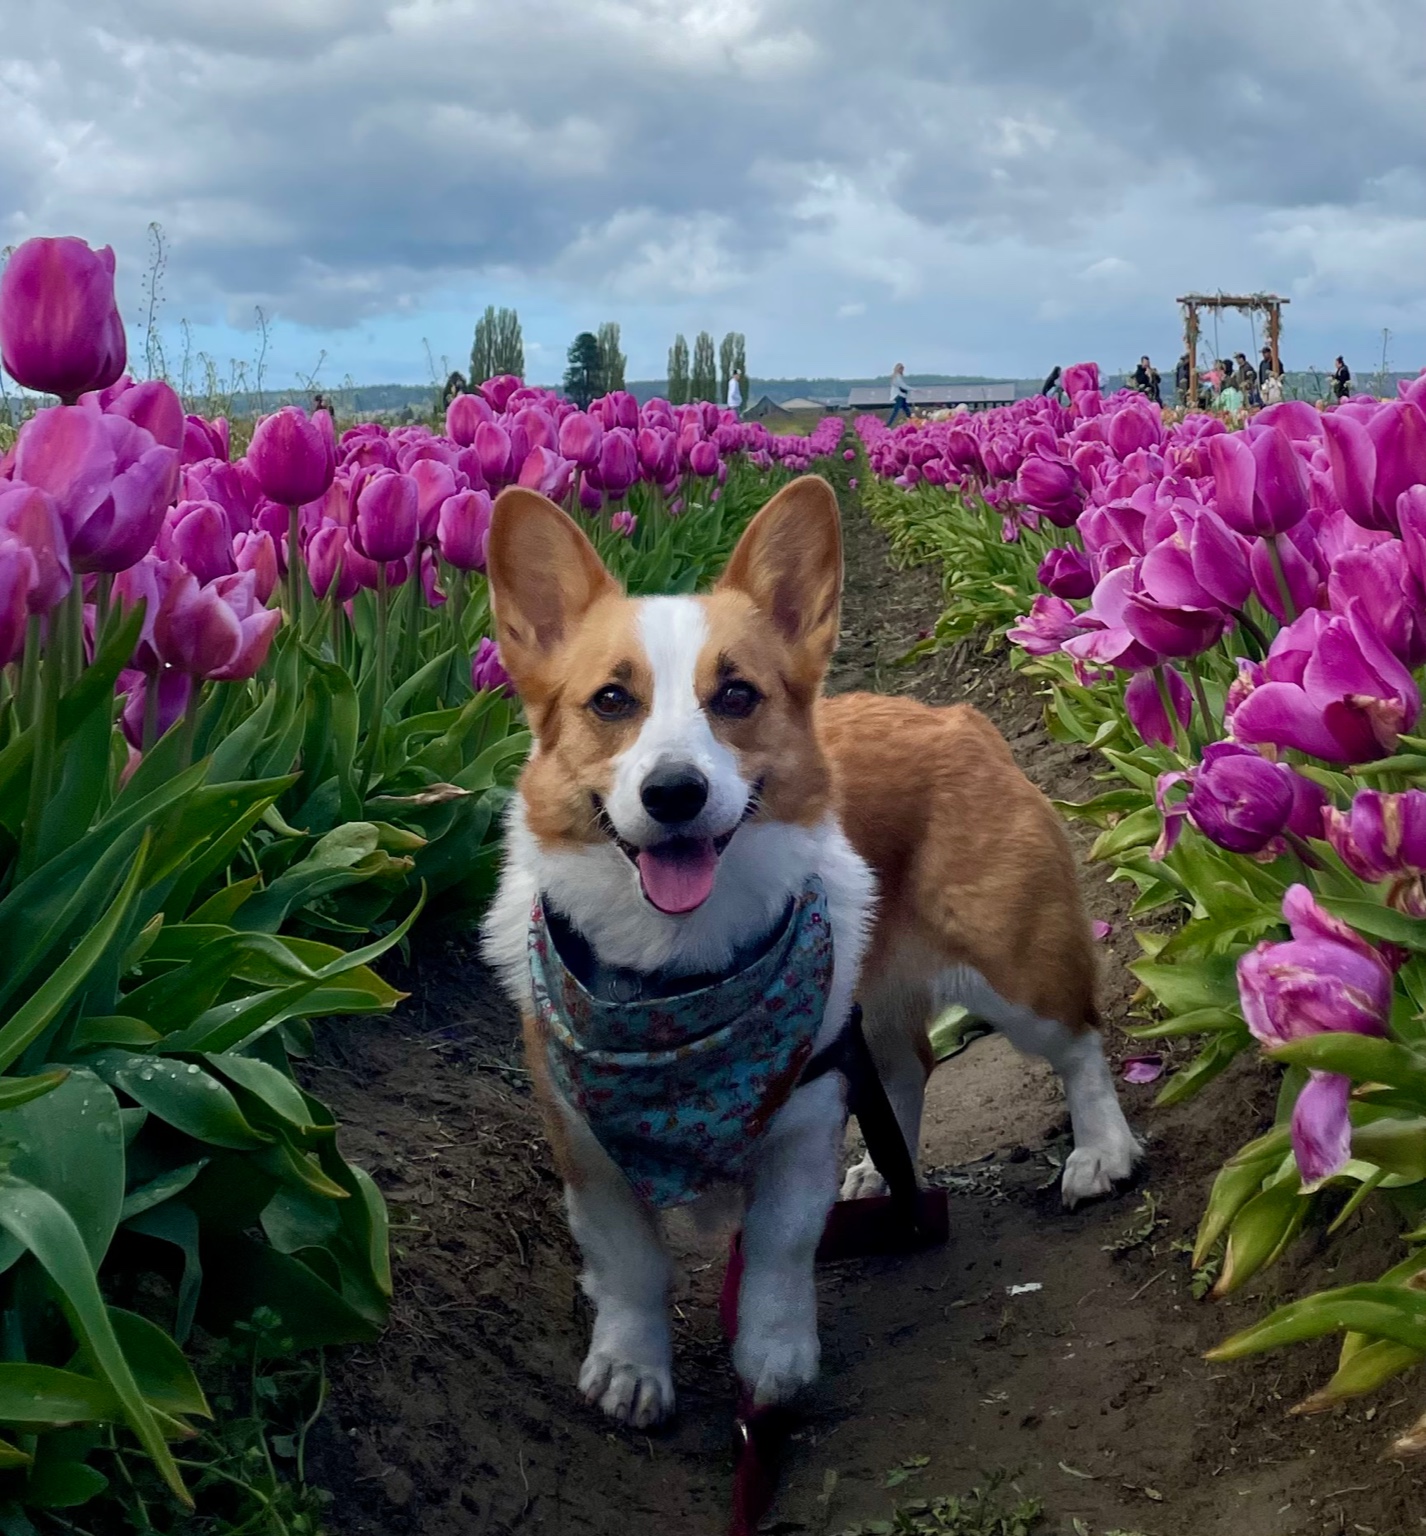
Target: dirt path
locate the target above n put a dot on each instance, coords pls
(1089, 1390)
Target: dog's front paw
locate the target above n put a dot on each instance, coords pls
(1091, 1172)
(776, 1367)
(634, 1394)
(862, 1181)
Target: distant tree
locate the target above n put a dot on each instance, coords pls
(509, 344)
(611, 359)
(455, 385)
(498, 347)
(678, 377)
(584, 379)
(703, 380)
(732, 358)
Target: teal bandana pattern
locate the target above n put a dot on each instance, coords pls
(679, 1089)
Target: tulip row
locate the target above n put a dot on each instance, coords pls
(250, 714)
(1236, 621)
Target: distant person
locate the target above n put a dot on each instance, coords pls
(1181, 374)
(1267, 368)
(1341, 380)
(1245, 376)
(900, 395)
(735, 393)
(1147, 380)
(1051, 386)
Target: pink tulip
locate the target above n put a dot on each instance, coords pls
(29, 517)
(1145, 706)
(619, 462)
(492, 448)
(624, 523)
(703, 458)
(293, 456)
(580, 436)
(330, 560)
(65, 451)
(545, 471)
(256, 625)
(464, 416)
(463, 529)
(151, 405)
(60, 331)
(204, 439)
(1050, 622)
(387, 518)
(256, 551)
(201, 540)
(498, 391)
(195, 630)
(435, 482)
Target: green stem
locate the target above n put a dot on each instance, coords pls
(1259, 638)
(30, 670)
(150, 734)
(190, 723)
(42, 763)
(1210, 725)
(1280, 576)
(292, 564)
(378, 705)
(103, 588)
(1180, 735)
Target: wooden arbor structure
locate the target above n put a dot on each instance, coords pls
(1267, 304)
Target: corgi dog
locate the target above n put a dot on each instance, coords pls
(694, 809)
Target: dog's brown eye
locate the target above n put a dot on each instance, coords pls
(735, 701)
(614, 703)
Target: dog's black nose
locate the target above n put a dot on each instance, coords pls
(674, 793)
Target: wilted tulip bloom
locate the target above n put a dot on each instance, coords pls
(387, 515)
(624, 523)
(1145, 706)
(1383, 837)
(1050, 622)
(1326, 978)
(60, 331)
(463, 529)
(580, 437)
(293, 456)
(487, 673)
(1332, 688)
(463, 417)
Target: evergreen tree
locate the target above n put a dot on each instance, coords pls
(678, 379)
(611, 359)
(703, 381)
(583, 379)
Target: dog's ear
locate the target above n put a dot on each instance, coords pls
(789, 562)
(544, 577)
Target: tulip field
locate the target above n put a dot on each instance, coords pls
(252, 729)
(1234, 622)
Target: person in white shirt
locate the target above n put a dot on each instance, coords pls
(735, 393)
(900, 394)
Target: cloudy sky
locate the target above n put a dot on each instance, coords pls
(978, 187)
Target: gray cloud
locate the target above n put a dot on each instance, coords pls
(997, 181)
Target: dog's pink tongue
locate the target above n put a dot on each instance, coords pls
(677, 877)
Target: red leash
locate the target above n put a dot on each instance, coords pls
(906, 1219)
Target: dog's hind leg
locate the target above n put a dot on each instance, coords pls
(1105, 1149)
(895, 1018)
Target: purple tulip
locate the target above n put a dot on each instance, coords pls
(1145, 706)
(1331, 688)
(1298, 572)
(463, 529)
(591, 498)
(487, 672)
(256, 551)
(619, 462)
(1079, 378)
(1240, 801)
(464, 416)
(658, 454)
(703, 458)
(580, 436)
(546, 472)
(1380, 576)
(19, 574)
(329, 561)
(201, 540)
(387, 516)
(498, 391)
(60, 331)
(293, 456)
(1327, 978)
(1219, 558)
(431, 578)
(1050, 487)
(1383, 837)
(194, 629)
(256, 625)
(1398, 434)
(1067, 573)
(173, 688)
(1167, 630)
(492, 448)
(65, 451)
(204, 440)
(1050, 622)
(29, 517)
(435, 482)
(1352, 456)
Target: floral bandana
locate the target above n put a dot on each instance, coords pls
(678, 1089)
